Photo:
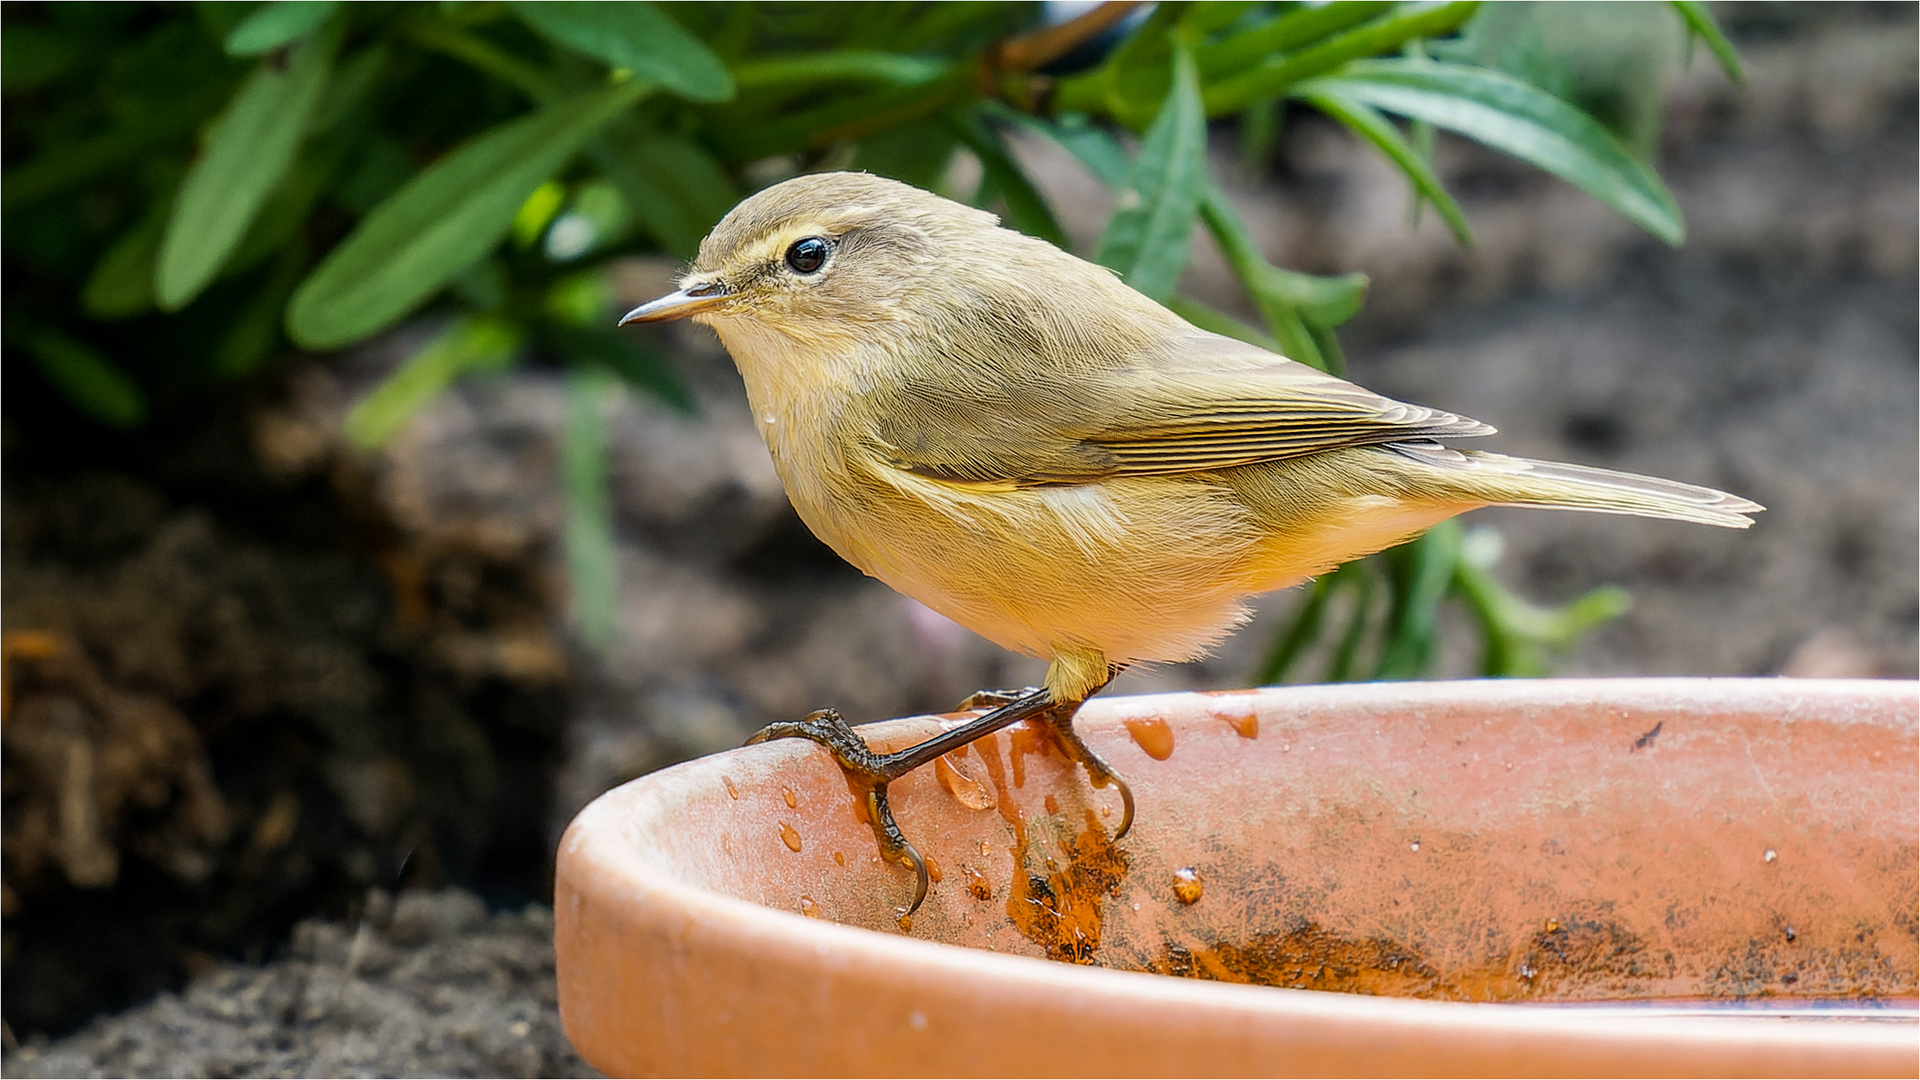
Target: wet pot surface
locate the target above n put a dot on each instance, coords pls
(1659, 868)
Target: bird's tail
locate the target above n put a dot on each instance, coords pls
(1509, 481)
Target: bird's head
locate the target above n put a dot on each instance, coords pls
(821, 255)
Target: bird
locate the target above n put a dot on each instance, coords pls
(1013, 437)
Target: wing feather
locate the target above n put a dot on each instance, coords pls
(1192, 402)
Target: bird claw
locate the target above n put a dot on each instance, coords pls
(831, 730)
(1060, 724)
(991, 699)
(869, 773)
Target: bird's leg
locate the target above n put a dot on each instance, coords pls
(1059, 721)
(870, 773)
(1060, 725)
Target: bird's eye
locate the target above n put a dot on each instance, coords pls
(808, 255)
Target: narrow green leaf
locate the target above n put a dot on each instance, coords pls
(252, 336)
(1700, 24)
(1367, 122)
(484, 56)
(1147, 238)
(122, 281)
(276, 25)
(592, 557)
(33, 55)
(1422, 572)
(840, 65)
(1519, 119)
(1382, 35)
(477, 343)
(1344, 665)
(1299, 308)
(1286, 33)
(1027, 209)
(634, 36)
(1097, 149)
(151, 124)
(94, 384)
(674, 186)
(1519, 634)
(247, 152)
(443, 220)
(1219, 322)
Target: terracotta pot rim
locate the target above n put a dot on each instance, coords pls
(756, 927)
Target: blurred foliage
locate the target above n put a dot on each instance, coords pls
(188, 189)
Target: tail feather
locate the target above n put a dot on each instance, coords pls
(1511, 481)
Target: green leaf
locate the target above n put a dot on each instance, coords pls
(443, 220)
(251, 338)
(1219, 322)
(1378, 130)
(34, 55)
(1519, 119)
(634, 36)
(1147, 238)
(1382, 35)
(1344, 665)
(247, 152)
(276, 25)
(1098, 150)
(93, 383)
(670, 182)
(1518, 634)
(150, 124)
(1422, 571)
(1300, 308)
(592, 564)
(477, 343)
(1027, 209)
(1286, 33)
(1700, 24)
(122, 281)
(840, 65)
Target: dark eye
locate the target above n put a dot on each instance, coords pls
(807, 256)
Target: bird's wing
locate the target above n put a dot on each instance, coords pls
(1202, 402)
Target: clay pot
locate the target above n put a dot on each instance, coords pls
(1499, 878)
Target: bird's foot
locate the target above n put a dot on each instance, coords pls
(869, 773)
(991, 699)
(1059, 723)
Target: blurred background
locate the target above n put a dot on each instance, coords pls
(348, 551)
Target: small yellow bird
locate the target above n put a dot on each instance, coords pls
(1016, 439)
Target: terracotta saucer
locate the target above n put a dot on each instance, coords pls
(1593, 877)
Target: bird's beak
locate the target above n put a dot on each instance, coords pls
(678, 304)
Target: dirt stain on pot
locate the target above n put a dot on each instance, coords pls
(1059, 907)
(1307, 958)
(1153, 735)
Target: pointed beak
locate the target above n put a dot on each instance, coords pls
(678, 304)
